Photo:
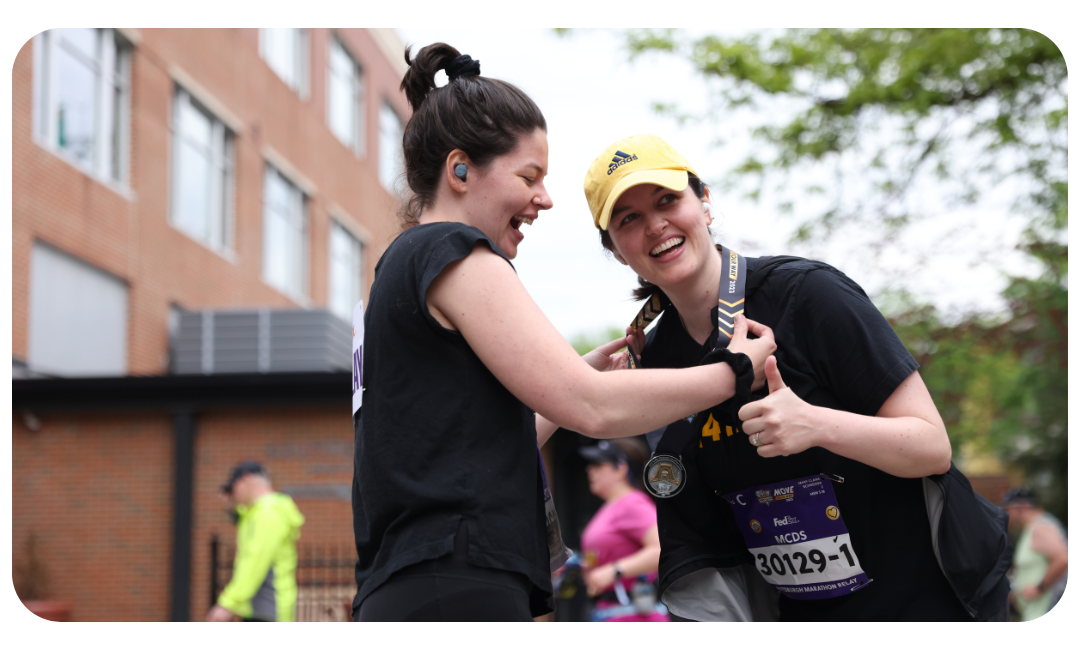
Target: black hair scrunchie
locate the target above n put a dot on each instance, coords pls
(461, 67)
(744, 376)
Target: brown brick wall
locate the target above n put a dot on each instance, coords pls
(95, 491)
(128, 234)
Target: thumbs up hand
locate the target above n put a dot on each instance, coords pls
(781, 424)
(772, 375)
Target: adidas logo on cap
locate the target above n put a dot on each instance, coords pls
(619, 160)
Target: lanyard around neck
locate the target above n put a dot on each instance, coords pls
(731, 301)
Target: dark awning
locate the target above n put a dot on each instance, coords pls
(187, 392)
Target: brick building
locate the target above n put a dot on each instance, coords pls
(160, 176)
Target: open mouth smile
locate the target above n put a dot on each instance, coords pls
(518, 220)
(668, 247)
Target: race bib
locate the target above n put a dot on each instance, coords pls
(797, 536)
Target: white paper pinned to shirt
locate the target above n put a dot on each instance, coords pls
(357, 356)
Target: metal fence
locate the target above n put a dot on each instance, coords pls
(324, 576)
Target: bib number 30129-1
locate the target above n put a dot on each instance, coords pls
(798, 538)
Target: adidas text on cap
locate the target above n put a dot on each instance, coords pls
(637, 160)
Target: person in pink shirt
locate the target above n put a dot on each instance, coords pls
(620, 544)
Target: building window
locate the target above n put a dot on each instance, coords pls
(390, 156)
(285, 50)
(344, 95)
(202, 173)
(284, 234)
(81, 98)
(78, 317)
(346, 271)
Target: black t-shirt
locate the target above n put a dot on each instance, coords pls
(439, 439)
(835, 350)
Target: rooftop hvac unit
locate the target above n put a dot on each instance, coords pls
(263, 340)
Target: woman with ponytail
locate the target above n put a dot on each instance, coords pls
(463, 376)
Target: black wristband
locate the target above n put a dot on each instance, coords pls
(744, 374)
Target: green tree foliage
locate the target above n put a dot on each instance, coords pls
(884, 114)
(883, 109)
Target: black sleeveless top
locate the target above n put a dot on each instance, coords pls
(439, 439)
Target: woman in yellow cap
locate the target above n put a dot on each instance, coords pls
(450, 514)
(816, 474)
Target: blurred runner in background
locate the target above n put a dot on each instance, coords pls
(263, 585)
(1041, 559)
(621, 543)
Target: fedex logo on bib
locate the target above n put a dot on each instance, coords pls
(357, 356)
(798, 538)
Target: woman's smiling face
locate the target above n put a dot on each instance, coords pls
(510, 192)
(661, 234)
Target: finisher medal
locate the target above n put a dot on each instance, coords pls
(664, 476)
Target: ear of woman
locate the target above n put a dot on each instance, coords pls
(457, 170)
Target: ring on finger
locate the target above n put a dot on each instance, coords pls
(756, 439)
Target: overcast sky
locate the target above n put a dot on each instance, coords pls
(592, 94)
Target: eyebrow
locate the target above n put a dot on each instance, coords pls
(659, 188)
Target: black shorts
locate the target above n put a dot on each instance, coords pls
(448, 589)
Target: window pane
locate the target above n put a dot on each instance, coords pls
(282, 53)
(75, 107)
(192, 192)
(278, 262)
(390, 159)
(284, 235)
(277, 192)
(81, 39)
(193, 168)
(340, 62)
(342, 110)
(195, 126)
(202, 177)
(342, 95)
(344, 272)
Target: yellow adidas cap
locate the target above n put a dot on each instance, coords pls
(637, 160)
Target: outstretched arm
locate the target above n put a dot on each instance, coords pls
(906, 437)
(482, 298)
(605, 357)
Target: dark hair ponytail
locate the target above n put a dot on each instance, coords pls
(646, 289)
(483, 117)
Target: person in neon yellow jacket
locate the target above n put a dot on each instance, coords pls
(263, 585)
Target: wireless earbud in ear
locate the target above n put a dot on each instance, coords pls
(460, 171)
(706, 207)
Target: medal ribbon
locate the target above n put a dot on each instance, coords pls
(731, 301)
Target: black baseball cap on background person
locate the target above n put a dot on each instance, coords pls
(242, 469)
(1019, 497)
(603, 452)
